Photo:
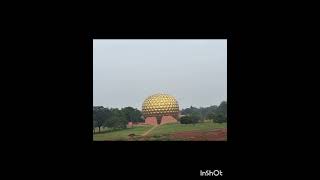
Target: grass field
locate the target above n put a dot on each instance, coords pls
(120, 134)
(161, 132)
(172, 128)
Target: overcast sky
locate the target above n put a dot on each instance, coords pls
(125, 72)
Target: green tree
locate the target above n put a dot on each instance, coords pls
(189, 110)
(219, 118)
(210, 116)
(185, 120)
(223, 108)
(132, 114)
(195, 117)
(100, 116)
(221, 113)
(117, 120)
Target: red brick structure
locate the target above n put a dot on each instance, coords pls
(164, 120)
(151, 120)
(168, 119)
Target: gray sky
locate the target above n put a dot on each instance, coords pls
(125, 72)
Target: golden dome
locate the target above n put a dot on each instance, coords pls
(160, 105)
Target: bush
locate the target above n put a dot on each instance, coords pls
(185, 120)
(190, 119)
(219, 118)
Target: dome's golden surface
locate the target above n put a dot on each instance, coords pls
(160, 105)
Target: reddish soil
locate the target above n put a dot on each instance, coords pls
(215, 135)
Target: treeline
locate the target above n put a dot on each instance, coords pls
(215, 113)
(115, 118)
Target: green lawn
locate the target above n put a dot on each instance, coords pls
(102, 129)
(172, 128)
(160, 132)
(120, 134)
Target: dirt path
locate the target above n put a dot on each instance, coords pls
(146, 133)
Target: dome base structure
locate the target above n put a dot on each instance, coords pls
(164, 120)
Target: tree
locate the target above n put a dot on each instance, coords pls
(210, 116)
(100, 116)
(121, 123)
(189, 110)
(117, 120)
(132, 114)
(190, 119)
(223, 108)
(185, 120)
(195, 117)
(221, 113)
(219, 118)
(204, 112)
